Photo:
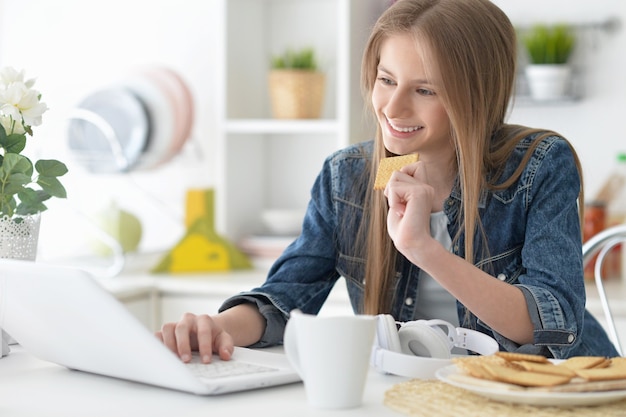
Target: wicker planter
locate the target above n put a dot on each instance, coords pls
(296, 94)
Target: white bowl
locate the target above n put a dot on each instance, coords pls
(283, 221)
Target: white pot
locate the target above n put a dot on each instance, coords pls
(548, 81)
(19, 236)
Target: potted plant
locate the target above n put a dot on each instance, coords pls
(24, 185)
(296, 85)
(549, 49)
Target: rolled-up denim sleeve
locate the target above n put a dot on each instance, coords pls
(275, 320)
(534, 348)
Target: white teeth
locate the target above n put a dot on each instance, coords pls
(405, 129)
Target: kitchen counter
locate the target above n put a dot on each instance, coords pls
(169, 296)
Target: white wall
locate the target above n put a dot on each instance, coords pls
(76, 46)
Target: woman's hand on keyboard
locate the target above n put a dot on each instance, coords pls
(196, 333)
(241, 325)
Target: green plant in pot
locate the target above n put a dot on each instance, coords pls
(549, 49)
(296, 86)
(24, 186)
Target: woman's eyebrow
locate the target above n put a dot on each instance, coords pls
(415, 81)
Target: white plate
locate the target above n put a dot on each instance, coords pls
(524, 396)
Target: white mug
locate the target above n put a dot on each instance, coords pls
(331, 354)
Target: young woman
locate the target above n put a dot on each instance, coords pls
(483, 231)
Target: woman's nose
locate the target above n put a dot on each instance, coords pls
(399, 104)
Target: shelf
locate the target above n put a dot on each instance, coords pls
(268, 163)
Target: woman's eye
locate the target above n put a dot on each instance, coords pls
(385, 80)
(425, 92)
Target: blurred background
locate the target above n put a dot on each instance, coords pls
(75, 47)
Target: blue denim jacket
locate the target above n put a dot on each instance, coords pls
(534, 242)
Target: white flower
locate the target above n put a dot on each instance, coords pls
(20, 107)
(9, 126)
(25, 184)
(10, 75)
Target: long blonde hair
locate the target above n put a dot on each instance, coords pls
(474, 46)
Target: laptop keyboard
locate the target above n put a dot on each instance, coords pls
(222, 369)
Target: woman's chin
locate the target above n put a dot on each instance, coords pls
(399, 146)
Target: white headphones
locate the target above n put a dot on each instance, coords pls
(418, 348)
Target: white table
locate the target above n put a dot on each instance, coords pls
(30, 387)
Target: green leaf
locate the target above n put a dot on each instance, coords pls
(13, 183)
(50, 168)
(15, 171)
(16, 174)
(13, 143)
(302, 59)
(549, 44)
(16, 163)
(31, 201)
(7, 205)
(52, 186)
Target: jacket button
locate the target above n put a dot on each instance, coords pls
(408, 301)
(502, 277)
(570, 338)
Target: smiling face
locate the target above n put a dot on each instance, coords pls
(410, 113)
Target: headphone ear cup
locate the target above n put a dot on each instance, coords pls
(387, 333)
(419, 339)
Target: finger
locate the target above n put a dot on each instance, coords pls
(395, 195)
(411, 168)
(184, 331)
(167, 336)
(224, 345)
(205, 328)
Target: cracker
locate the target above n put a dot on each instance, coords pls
(609, 373)
(576, 374)
(547, 368)
(387, 166)
(515, 356)
(583, 362)
(474, 369)
(525, 378)
(618, 361)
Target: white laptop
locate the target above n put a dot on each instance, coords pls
(63, 315)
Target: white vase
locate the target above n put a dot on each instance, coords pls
(19, 236)
(548, 81)
(18, 240)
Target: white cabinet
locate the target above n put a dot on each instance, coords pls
(265, 163)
